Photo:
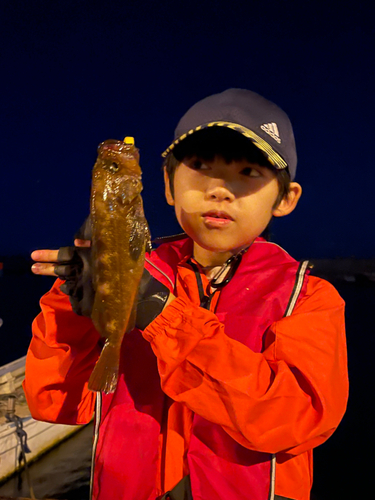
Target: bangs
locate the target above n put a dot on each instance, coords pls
(220, 141)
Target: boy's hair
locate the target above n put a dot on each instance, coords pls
(230, 145)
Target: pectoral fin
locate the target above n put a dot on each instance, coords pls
(148, 238)
(136, 240)
(133, 316)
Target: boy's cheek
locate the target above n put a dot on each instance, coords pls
(185, 220)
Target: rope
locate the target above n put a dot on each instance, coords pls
(22, 438)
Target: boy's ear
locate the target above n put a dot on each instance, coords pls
(167, 187)
(289, 202)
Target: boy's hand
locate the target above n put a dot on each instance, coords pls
(73, 266)
(46, 261)
(51, 262)
(153, 297)
(169, 300)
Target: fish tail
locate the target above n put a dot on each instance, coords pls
(105, 374)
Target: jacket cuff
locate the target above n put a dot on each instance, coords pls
(180, 312)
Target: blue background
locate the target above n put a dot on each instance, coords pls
(75, 73)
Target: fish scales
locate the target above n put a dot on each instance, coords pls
(119, 241)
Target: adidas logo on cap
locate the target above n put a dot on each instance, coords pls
(272, 130)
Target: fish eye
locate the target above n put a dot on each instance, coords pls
(113, 167)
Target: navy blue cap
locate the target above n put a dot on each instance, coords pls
(250, 114)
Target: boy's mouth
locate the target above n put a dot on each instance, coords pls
(217, 215)
(215, 218)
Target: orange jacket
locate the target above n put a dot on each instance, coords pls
(284, 400)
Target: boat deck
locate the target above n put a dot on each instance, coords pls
(41, 436)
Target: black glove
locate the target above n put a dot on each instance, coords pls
(152, 297)
(74, 267)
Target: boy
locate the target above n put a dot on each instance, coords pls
(237, 367)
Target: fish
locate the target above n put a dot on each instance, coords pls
(120, 239)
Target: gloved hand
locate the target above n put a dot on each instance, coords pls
(74, 267)
(152, 296)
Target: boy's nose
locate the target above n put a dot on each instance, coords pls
(219, 193)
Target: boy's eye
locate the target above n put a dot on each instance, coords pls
(197, 164)
(250, 172)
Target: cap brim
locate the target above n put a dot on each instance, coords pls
(274, 158)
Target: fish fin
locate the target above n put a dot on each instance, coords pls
(105, 374)
(132, 319)
(148, 238)
(136, 240)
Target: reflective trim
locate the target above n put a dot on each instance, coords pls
(160, 271)
(275, 159)
(98, 416)
(297, 287)
(292, 302)
(272, 478)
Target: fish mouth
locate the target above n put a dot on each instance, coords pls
(115, 150)
(218, 214)
(111, 145)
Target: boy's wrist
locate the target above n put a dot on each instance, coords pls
(170, 299)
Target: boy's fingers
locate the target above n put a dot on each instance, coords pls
(43, 269)
(52, 255)
(46, 260)
(45, 255)
(82, 243)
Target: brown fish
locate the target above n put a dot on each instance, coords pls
(120, 237)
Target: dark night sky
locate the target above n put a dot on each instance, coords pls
(75, 73)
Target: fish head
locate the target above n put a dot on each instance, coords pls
(116, 172)
(119, 158)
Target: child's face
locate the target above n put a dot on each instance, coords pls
(222, 207)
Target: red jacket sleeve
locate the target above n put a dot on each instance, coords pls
(289, 398)
(62, 354)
